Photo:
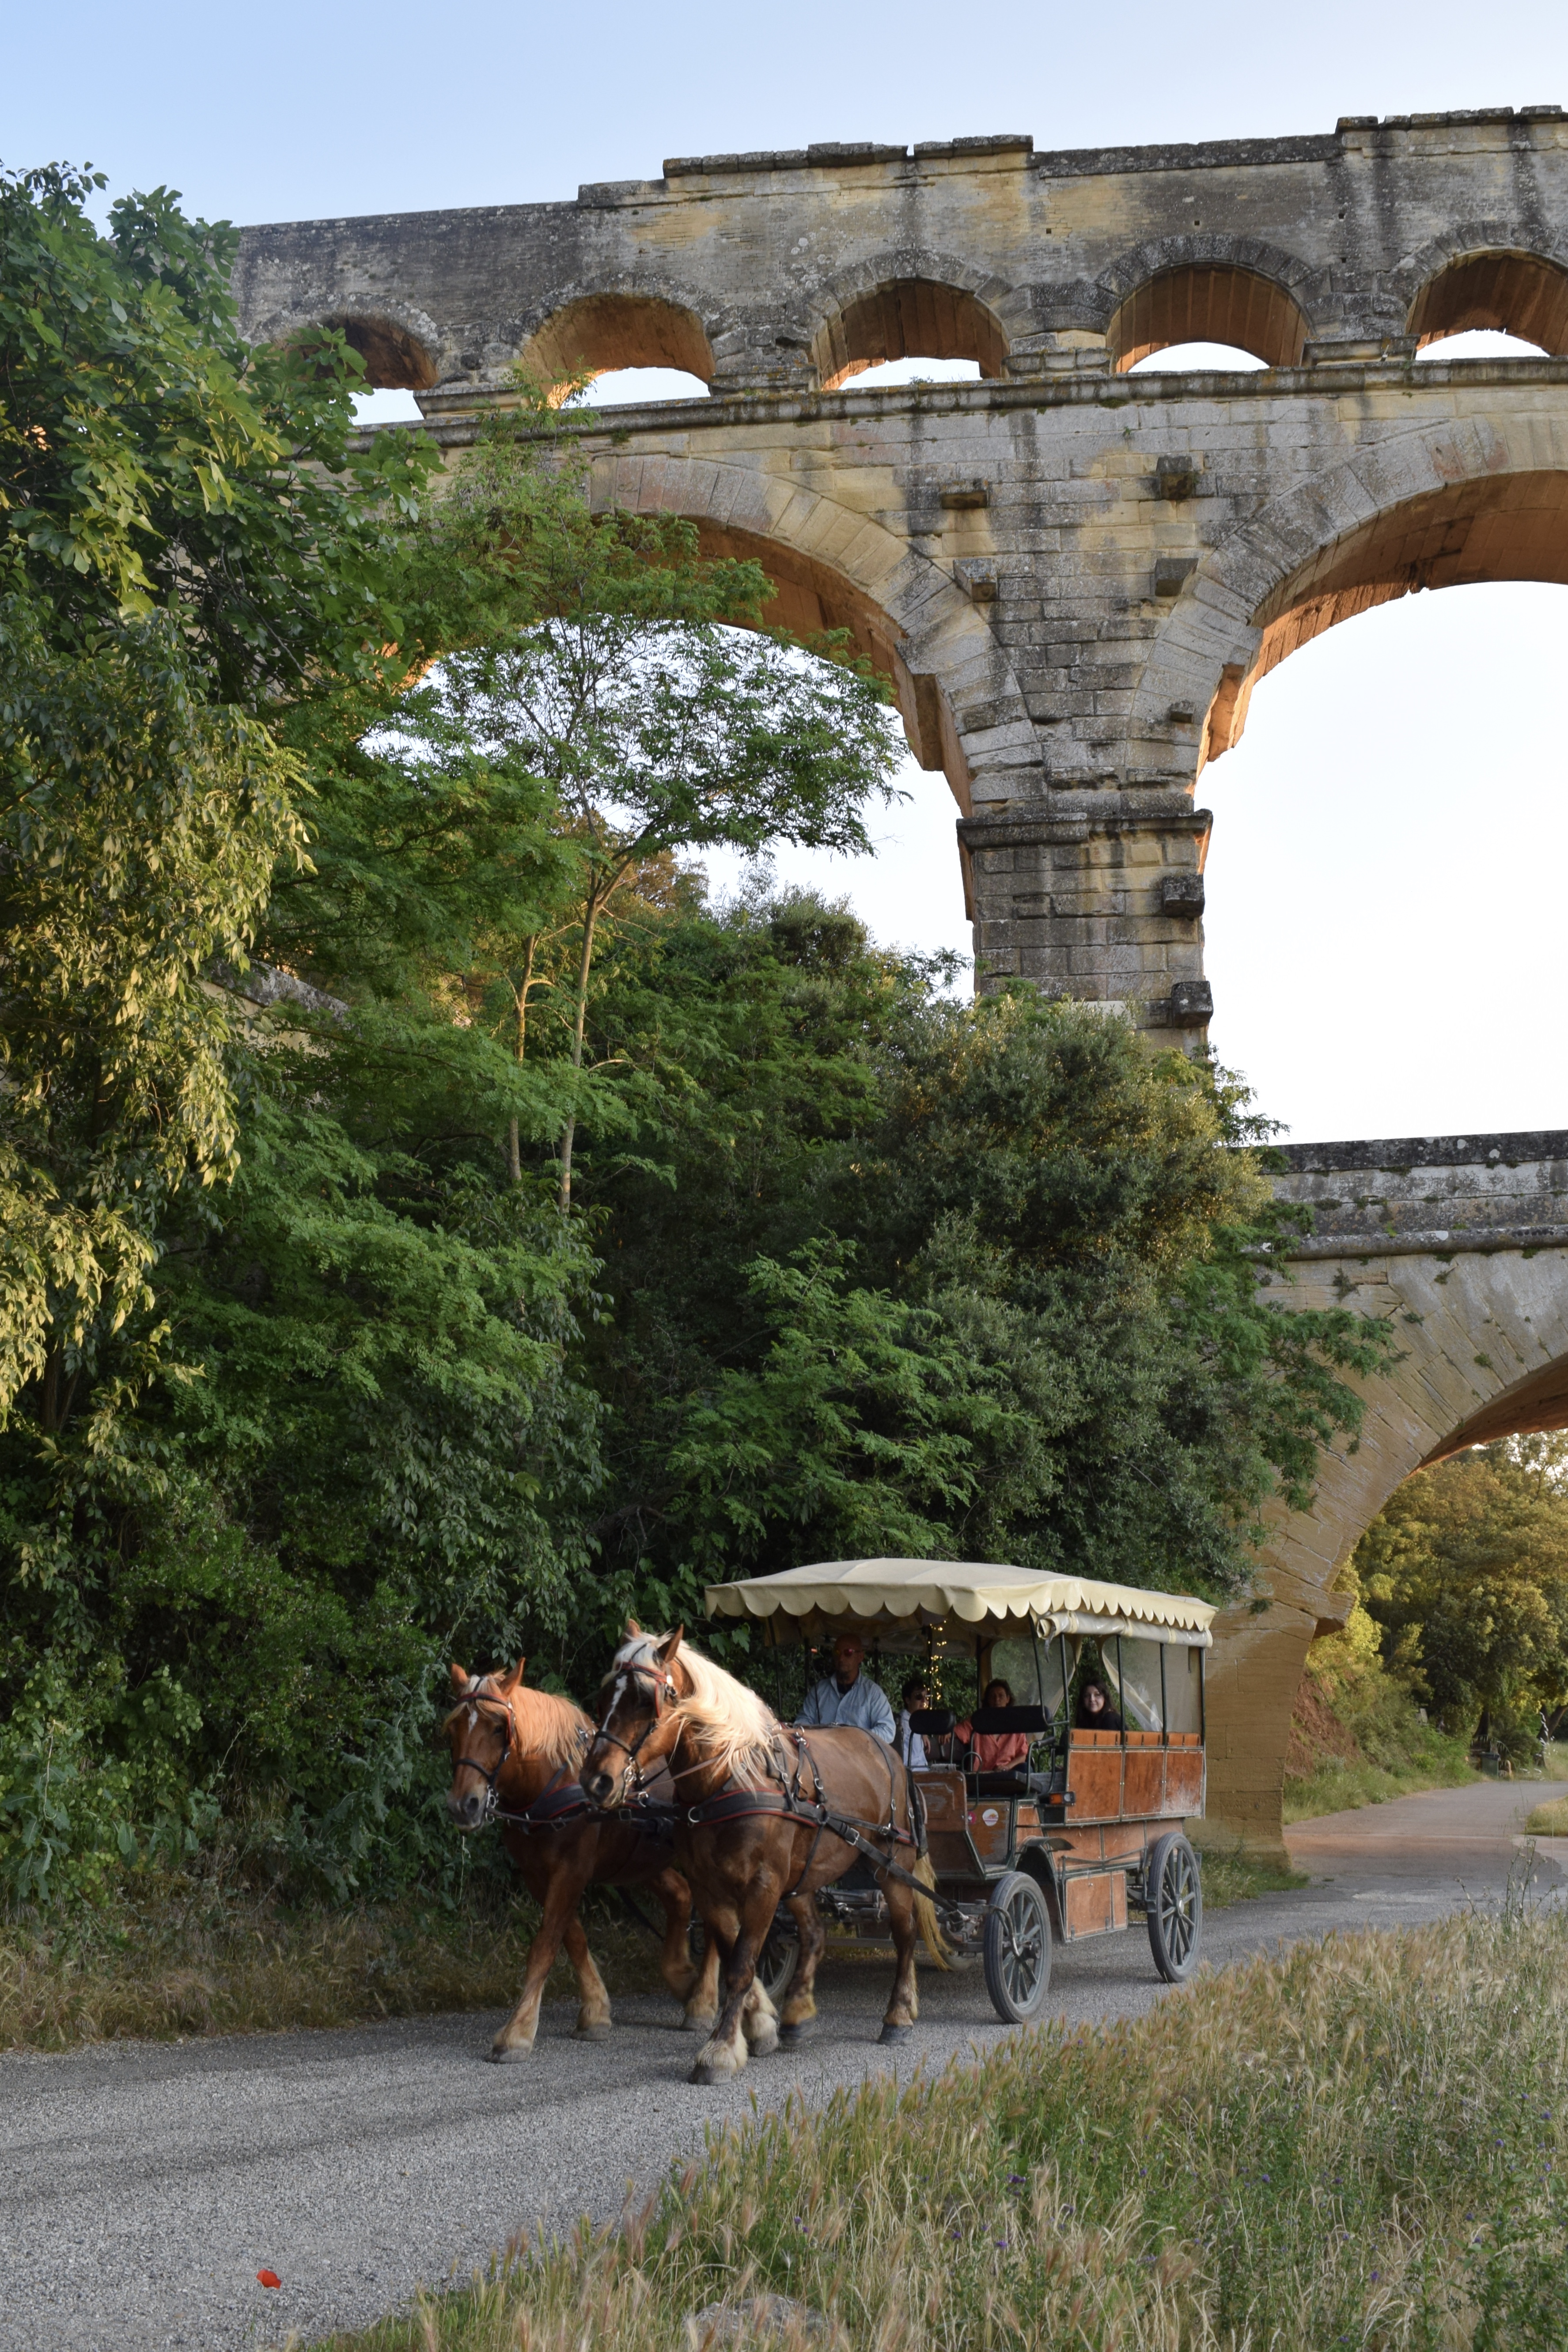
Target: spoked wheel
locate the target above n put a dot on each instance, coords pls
(1017, 1948)
(776, 1963)
(1176, 1899)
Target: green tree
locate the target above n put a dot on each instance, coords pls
(1466, 1573)
(935, 1279)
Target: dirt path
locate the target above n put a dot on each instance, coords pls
(142, 2186)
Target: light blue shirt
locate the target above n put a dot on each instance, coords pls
(910, 1746)
(864, 1705)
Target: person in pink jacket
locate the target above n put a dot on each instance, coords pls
(996, 1751)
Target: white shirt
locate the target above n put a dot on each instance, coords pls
(864, 1705)
(910, 1746)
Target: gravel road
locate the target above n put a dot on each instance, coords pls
(144, 2185)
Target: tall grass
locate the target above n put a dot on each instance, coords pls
(177, 1956)
(1359, 2143)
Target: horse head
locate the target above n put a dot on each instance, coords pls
(639, 1725)
(482, 1729)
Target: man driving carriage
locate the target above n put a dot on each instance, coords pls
(848, 1697)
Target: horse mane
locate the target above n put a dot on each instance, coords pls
(543, 1725)
(730, 1723)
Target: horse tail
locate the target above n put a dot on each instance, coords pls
(925, 1913)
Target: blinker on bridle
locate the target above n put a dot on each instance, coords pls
(660, 1687)
(489, 1774)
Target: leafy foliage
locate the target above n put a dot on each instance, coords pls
(1465, 1573)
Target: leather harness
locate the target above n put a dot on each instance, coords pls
(788, 1798)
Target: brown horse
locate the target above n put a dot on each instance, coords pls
(515, 1753)
(664, 1704)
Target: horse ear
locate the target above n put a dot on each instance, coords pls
(668, 1646)
(631, 1625)
(459, 1679)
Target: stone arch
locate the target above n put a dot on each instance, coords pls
(1442, 1394)
(1430, 291)
(1452, 504)
(1519, 293)
(618, 327)
(1207, 288)
(401, 347)
(959, 699)
(911, 305)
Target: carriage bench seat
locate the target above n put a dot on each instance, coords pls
(1017, 1783)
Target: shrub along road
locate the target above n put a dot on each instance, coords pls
(144, 2185)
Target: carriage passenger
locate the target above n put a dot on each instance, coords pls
(915, 1698)
(996, 1751)
(1095, 1712)
(848, 1697)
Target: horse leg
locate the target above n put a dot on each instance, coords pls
(562, 1897)
(760, 2020)
(904, 2007)
(801, 2005)
(698, 1989)
(676, 1965)
(724, 2052)
(702, 2005)
(593, 2020)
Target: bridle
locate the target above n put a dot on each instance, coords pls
(489, 1774)
(659, 1685)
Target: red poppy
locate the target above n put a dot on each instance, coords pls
(268, 2278)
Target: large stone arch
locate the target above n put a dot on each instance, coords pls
(960, 701)
(1460, 1244)
(1445, 505)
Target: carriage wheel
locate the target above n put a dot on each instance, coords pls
(1017, 1948)
(1175, 1904)
(776, 1962)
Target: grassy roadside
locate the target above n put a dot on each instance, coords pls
(180, 1956)
(183, 1958)
(1359, 2143)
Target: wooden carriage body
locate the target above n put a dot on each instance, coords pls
(1092, 1806)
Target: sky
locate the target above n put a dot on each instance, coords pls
(1384, 882)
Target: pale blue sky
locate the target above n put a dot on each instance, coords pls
(1386, 880)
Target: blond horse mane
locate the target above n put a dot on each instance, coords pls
(542, 1725)
(729, 1723)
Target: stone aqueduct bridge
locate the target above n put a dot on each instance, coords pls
(1075, 576)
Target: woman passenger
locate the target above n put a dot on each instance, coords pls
(996, 1751)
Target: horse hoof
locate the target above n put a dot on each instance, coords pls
(699, 2024)
(791, 2036)
(763, 2044)
(598, 2032)
(895, 2033)
(509, 2054)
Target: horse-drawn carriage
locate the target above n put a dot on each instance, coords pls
(1070, 1842)
(776, 1836)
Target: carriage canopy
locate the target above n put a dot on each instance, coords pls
(920, 1605)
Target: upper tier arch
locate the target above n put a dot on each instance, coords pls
(1208, 302)
(590, 334)
(910, 305)
(1515, 293)
(1207, 288)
